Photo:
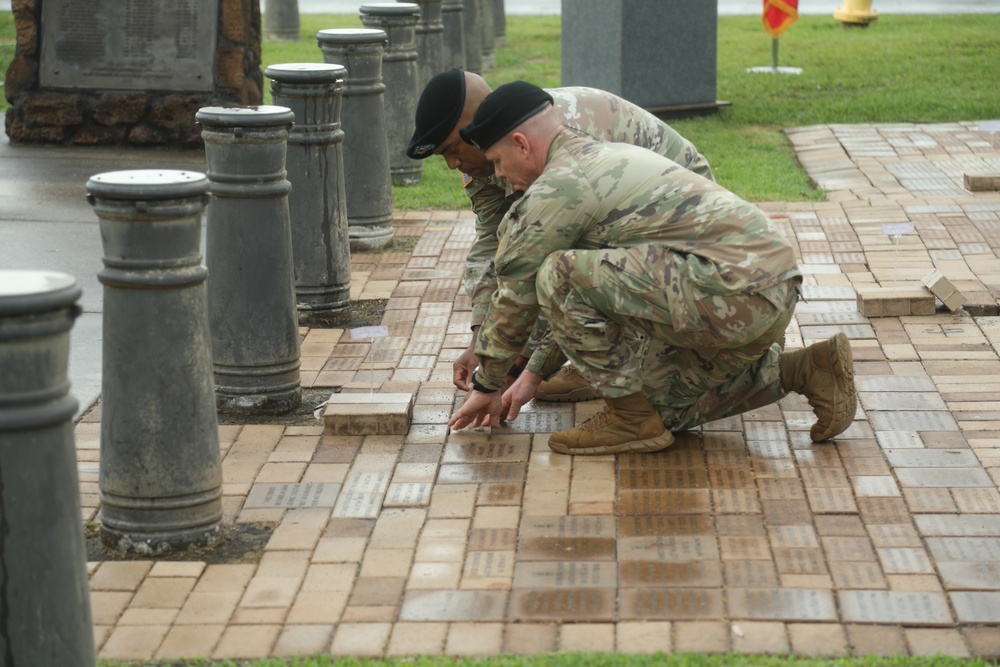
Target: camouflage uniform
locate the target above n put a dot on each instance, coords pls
(648, 275)
(595, 112)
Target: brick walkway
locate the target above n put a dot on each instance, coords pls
(742, 537)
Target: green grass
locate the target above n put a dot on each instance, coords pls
(584, 660)
(913, 68)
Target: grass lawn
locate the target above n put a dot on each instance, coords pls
(912, 68)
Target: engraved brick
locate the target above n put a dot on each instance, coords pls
(981, 181)
(944, 289)
(895, 301)
(367, 414)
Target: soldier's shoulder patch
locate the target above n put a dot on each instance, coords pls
(466, 180)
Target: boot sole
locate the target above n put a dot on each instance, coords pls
(641, 446)
(843, 371)
(575, 396)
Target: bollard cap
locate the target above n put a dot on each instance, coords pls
(351, 36)
(306, 72)
(390, 8)
(264, 115)
(148, 184)
(24, 292)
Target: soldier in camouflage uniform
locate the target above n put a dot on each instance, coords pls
(448, 103)
(668, 292)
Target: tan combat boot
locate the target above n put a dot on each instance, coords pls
(824, 373)
(626, 424)
(566, 386)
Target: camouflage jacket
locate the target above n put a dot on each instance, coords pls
(601, 195)
(595, 112)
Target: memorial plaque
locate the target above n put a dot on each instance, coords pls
(456, 606)
(911, 420)
(564, 574)
(667, 501)
(775, 468)
(741, 525)
(844, 547)
(727, 458)
(561, 548)
(905, 560)
(642, 574)
(492, 539)
(830, 318)
(970, 576)
(671, 604)
(770, 449)
(361, 496)
(977, 607)
(899, 440)
(408, 494)
(895, 383)
(736, 501)
(568, 526)
(799, 561)
(780, 489)
(794, 537)
(486, 451)
(668, 459)
(744, 547)
(851, 574)
(945, 477)
(292, 495)
(489, 565)
(824, 477)
(542, 422)
(774, 604)
(827, 305)
(684, 478)
(897, 607)
(500, 494)
(966, 549)
(668, 548)
(932, 458)
(731, 478)
(975, 500)
(650, 525)
(786, 512)
(470, 473)
(750, 573)
(901, 400)
(129, 45)
(852, 331)
(584, 604)
(765, 430)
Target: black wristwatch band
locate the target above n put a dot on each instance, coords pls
(480, 388)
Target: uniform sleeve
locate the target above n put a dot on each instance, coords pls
(489, 203)
(552, 217)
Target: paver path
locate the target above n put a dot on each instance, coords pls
(742, 537)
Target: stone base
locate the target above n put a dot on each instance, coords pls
(895, 301)
(368, 414)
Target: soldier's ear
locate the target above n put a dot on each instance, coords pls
(521, 143)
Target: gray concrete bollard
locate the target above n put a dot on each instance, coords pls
(281, 20)
(487, 22)
(366, 147)
(472, 21)
(500, 23)
(399, 72)
(251, 292)
(430, 42)
(317, 203)
(45, 616)
(453, 20)
(160, 472)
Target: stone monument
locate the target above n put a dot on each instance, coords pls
(453, 20)
(430, 42)
(125, 72)
(472, 21)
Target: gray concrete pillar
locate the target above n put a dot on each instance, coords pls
(488, 24)
(500, 23)
(251, 292)
(472, 20)
(160, 472)
(453, 20)
(317, 204)
(45, 614)
(366, 147)
(399, 72)
(281, 20)
(430, 42)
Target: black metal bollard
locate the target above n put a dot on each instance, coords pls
(500, 23)
(317, 203)
(453, 20)
(399, 72)
(160, 472)
(45, 614)
(430, 42)
(366, 148)
(472, 20)
(251, 294)
(487, 22)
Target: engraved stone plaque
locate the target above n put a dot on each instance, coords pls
(667, 501)
(582, 604)
(568, 526)
(970, 576)
(466, 473)
(563, 574)
(977, 607)
(362, 495)
(500, 494)
(408, 494)
(489, 564)
(782, 604)
(965, 525)
(654, 478)
(492, 539)
(129, 45)
(453, 606)
(965, 549)
(461, 452)
(905, 607)
(671, 603)
(894, 383)
(640, 574)
(541, 422)
(668, 548)
(913, 420)
(651, 525)
(853, 331)
(292, 495)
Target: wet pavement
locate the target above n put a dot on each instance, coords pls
(744, 536)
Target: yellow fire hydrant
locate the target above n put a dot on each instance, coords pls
(856, 13)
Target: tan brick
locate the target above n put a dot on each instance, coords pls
(189, 641)
(134, 642)
(417, 639)
(643, 637)
(474, 639)
(702, 636)
(944, 290)
(120, 576)
(530, 638)
(826, 640)
(317, 607)
(760, 637)
(224, 578)
(364, 414)
(177, 569)
(981, 181)
(587, 637)
(304, 640)
(246, 641)
(208, 608)
(146, 616)
(163, 592)
(107, 606)
(362, 639)
(931, 641)
(880, 640)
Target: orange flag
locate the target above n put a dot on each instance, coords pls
(778, 16)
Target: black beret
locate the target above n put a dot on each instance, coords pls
(438, 110)
(504, 109)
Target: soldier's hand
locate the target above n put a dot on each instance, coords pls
(477, 410)
(519, 393)
(463, 368)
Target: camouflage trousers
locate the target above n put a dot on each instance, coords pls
(610, 314)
